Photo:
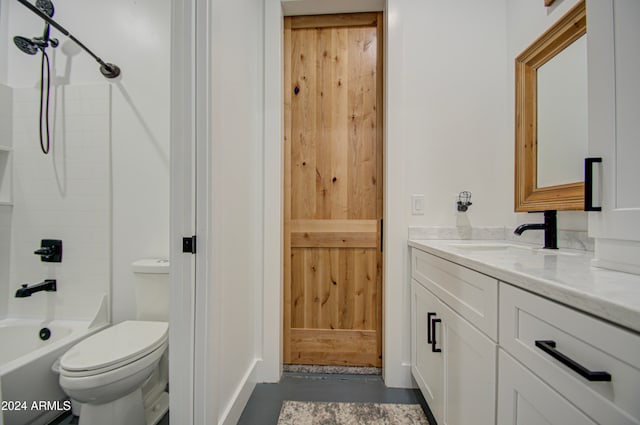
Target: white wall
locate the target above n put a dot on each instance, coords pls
(234, 287)
(446, 132)
(446, 111)
(526, 21)
(135, 35)
(64, 195)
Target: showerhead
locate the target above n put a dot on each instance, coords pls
(45, 6)
(26, 45)
(44, 9)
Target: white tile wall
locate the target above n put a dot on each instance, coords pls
(135, 35)
(5, 115)
(5, 186)
(64, 195)
(5, 244)
(6, 127)
(4, 40)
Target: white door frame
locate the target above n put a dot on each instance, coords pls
(189, 182)
(271, 350)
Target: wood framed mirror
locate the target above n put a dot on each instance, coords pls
(531, 192)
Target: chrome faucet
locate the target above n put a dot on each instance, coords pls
(26, 290)
(550, 227)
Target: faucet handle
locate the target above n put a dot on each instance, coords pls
(50, 250)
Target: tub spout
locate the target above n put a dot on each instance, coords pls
(26, 290)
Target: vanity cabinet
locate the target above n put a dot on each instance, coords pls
(547, 364)
(614, 130)
(453, 360)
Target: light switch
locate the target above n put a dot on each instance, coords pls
(417, 204)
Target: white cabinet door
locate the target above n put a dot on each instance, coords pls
(457, 372)
(469, 371)
(426, 365)
(524, 399)
(614, 129)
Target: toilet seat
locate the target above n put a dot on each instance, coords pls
(113, 348)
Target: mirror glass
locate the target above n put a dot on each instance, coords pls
(562, 116)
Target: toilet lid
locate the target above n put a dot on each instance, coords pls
(117, 344)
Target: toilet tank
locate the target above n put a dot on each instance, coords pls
(151, 281)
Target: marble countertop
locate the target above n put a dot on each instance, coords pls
(565, 276)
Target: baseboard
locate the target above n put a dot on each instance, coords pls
(233, 410)
(399, 377)
(268, 373)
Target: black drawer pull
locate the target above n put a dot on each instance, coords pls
(429, 315)
(588, 184)
(433, 335)
(549, 347)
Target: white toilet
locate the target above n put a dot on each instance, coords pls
(119, 375)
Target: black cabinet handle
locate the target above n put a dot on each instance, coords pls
(433, 336)
(429, 315)
(549, 347)
(588, 184)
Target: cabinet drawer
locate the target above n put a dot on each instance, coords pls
(523, 399)
(589, 342)
(471, 294)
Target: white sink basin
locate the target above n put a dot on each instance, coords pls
(504, 246)
(488, 246)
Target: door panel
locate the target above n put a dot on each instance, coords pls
(333, 190)
(333, 288)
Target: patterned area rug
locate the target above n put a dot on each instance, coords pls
(322, 413)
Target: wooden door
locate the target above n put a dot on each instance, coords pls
(333, 189)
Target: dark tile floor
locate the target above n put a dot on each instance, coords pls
(266, 400)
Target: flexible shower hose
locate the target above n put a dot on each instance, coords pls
(44, 103)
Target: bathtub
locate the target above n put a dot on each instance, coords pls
(25, 367)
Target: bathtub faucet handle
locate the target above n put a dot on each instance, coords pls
(45, 252)
(50, 250)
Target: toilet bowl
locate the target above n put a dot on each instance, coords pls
(107, 371)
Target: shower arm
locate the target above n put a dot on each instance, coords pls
(109, 70)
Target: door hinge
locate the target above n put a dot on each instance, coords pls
(381, 235)
(189, 244)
